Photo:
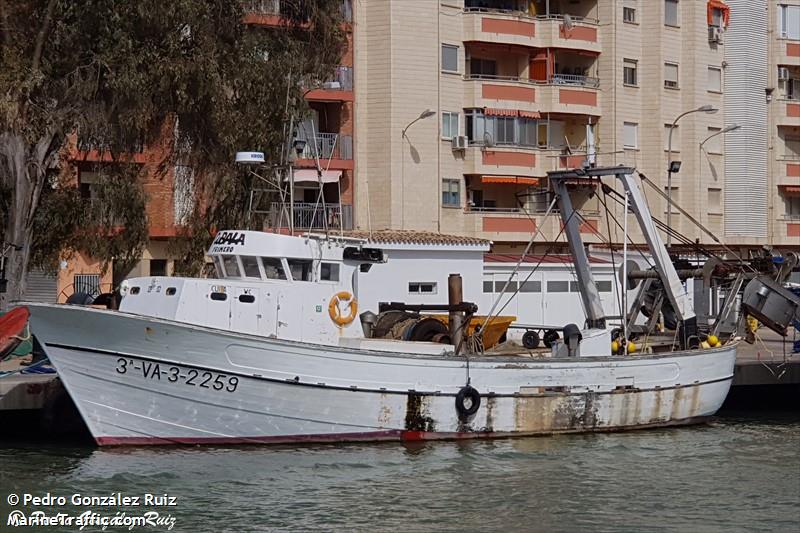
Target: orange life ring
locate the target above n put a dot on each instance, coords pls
(335, 312)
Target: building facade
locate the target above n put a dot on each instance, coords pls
(464, 105)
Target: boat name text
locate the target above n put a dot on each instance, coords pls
(174, 374)
(229, 237)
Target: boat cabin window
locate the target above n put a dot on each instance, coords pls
(558, 286)
(250, 265)
(300, 269)
(419, 287)
(604, 286)
(329, 272)
(230, 266)
(218, 266)
(273, 268)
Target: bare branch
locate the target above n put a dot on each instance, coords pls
(37, 52)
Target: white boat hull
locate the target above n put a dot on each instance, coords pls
(139, 380)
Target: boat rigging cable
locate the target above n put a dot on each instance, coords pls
(516, 267)
(533, 270)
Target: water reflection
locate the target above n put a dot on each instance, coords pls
(732, 474)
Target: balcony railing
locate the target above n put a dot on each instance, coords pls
(523, 14)
(262, 7)
(313, 216)
(555, 79)
(328, 146)
(273, 7)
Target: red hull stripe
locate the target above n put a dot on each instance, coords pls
(372, 436)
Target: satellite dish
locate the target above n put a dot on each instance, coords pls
(250, 158)
(568, 22)
(488, 140)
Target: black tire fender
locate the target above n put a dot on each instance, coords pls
(468, 401)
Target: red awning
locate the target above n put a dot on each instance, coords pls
(517, 180)
(495, 112)
(722, 6)
(530, 114)
(791, 189)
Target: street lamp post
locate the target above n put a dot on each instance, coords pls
(674, 168)
(425, 114)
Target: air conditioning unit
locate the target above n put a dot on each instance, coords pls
(714, 34)
(460, 142)
(783, 73)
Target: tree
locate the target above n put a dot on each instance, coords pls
(126, 73)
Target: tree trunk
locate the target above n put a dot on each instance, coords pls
(23, 167)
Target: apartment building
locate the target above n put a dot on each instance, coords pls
(325, 136)
(783, 95)
(464, 105)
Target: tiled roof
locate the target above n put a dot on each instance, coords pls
(416, 237)
(550, 259)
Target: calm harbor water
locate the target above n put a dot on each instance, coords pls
(739, 473)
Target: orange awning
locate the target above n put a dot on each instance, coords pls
(722, 6)
(530, 114)
(791, 189)
(516, 180)
(495, 112)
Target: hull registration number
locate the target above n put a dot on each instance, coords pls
(176, 374)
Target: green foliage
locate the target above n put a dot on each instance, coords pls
(125, 73)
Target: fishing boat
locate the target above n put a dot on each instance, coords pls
(275, 350)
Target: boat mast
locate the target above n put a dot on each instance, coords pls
(595, 316)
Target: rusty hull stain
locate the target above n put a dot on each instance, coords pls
(417, 416)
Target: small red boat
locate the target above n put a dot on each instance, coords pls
(12, 325)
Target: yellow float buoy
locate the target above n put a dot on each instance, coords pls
(631, 347)
(713, 340)
(614, 346)
(705, 345)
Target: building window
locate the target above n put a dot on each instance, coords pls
(530, 286)
(791, 148)
(715, 79)
(630, 135)
(716, 17)
(673, 198)
(158, 267)
(422, 287)
(449, 124)
(671, 12)
(87, 284)
(629, 72)
(482, 67)
(789, 21)
(451, 193)
(676, 138)
(523, 131)
(603, 286)
(670, 75)
(714, 143)
(558, 286)
(792, 204)
(449, 58)
(629, 11)
(715, 201)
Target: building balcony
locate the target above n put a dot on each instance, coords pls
(338, 89)
(311, 216)
(275, 12)
(788, 112)
(787, 172)
(520, 29)
(334, 151)
(560, 93)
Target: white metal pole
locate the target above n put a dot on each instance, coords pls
(625, 276)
